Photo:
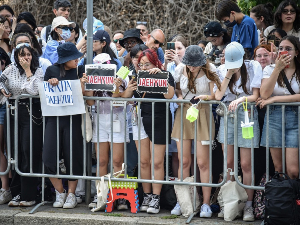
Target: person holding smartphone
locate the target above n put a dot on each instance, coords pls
(195, 77)
(280, 83)
(241, 81)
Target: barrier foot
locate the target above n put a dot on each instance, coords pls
(191, 217)
(37, 206)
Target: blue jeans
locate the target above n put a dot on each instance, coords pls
(132, 156)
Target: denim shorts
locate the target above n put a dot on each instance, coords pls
(242, 142)
(275, 127)
(2, 114)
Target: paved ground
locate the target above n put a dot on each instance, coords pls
(82, 215)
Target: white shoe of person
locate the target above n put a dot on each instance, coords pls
(176, 211)
(71, 201)
(205, 211)
(60, 199)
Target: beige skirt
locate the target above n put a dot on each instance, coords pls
(189, 128)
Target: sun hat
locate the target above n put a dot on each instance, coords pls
(102, 35)
(66, 52)
(213, 29)
(131, 33)
(234, 55)
(194, 56)
(60, 20)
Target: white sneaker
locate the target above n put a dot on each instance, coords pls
(27, 203)
(5, 196)
(248, 214)
(71, 202)
(176, 210)
(221, 213)
(205, 211)
(15, 201)
(78, 198)
(93, 204)
(60, 199)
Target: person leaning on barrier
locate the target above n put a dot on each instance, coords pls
(274, 89)
(148, 61)
(5, 194)
(23, 77)
(195, 77)
(241, 81)
(64, 69)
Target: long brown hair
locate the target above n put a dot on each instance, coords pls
(244, 77)
(209, 74)
(295, 41)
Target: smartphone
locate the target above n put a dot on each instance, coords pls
(194, 101)
(170, 45)
(273, 39)
(284, 53)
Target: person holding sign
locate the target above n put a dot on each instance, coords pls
(241, 82)
(23, 77)
(64, 69)
(148, 61)
(195, 77)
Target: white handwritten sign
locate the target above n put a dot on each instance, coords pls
(59, 95)
(62, 100)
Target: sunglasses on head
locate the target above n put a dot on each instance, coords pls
(157, 42)
(141, 22)
(66, 28)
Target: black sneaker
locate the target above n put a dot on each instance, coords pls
(146, 201)
(121, 204)
(154, 205)
(15, 201)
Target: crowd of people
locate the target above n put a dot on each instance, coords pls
(257, 62)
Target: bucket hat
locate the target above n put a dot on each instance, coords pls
(213, 29)
(66, 52)
(234, 54)
(131, 33)
(60, 20)
(194, 56)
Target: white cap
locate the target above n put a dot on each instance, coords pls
(234, 54)
(60, 20)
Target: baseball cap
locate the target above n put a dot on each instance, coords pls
(213, 29)
(60, 20)
(234, 55)
(102, 35)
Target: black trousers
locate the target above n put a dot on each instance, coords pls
(50, 144)
(26, 186)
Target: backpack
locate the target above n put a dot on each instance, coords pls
(259, 200)
(282, 196)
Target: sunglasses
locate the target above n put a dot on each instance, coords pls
(287, 11)
(157, 42)
(66, 28)
(141, 22)
(116, 40)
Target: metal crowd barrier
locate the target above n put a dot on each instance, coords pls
(283, 105)
(87, 150)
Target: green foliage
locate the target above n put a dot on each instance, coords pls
(247, 5)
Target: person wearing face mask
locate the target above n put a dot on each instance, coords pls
(61, 31)
(244, 31)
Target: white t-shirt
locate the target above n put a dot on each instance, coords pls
(279, 91)
(254, 71)
(201, 83)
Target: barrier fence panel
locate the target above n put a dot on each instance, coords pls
(96, 113)
(267, 122)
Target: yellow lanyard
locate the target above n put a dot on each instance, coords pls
(245, 105)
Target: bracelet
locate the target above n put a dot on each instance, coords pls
(227, 78)
(28, 78)
(206, 98)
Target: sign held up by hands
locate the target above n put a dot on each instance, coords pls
(100, 77)
(153, 83)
